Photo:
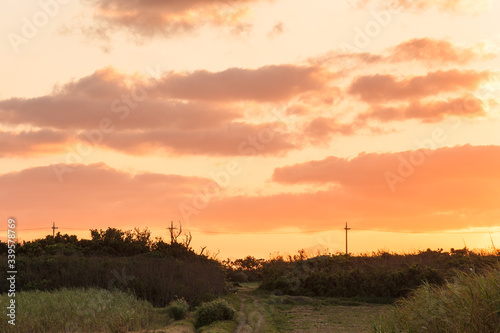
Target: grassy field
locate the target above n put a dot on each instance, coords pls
(78, 310)
(96, 310)
(264, 312)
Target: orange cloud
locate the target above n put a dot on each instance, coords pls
(367, 169)
(434, 189)
(93, 196)
(321, 129)
(435, 51)
(166, 18)
(428, 112)
(41, 142)
(384, 87)
(429, 51)
(234, 139)
(141, 103)
(446, 188)
(269, 83)
(84, 103)
(138, 116)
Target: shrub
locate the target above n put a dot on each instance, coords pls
(157, 280)
(216, 310)
(178, 309)
(237, 276)
(469, 304)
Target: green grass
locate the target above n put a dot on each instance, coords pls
(261, 311)
(304, 314)
(471, 303)
(71, 310)
(216, 310)
(219, 327)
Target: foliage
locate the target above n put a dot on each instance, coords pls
(158, 280)
(178, 309)
(216, 310)
(114, 259)
(380, 275)
(471, 303)
(248, 269)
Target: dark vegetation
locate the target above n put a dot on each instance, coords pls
(161, 272)
(381, 275)
(156, 271)
(248, 269)
(217, 310)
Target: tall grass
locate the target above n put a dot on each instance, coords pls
(77, 310)
(471, 303)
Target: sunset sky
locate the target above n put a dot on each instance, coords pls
(262, 125)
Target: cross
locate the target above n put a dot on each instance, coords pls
(346, 229)
(54, 229)
(172, 231)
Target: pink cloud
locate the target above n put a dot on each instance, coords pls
(446, 188)
(436, 51)
(428, 112)
(92, 196)
(167, 18)
(384, 87)
(22, 144)
(269, 83)
(84, 103)
(321, 129)
(234, 139)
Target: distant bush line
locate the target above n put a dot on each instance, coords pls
(381, 274)
(155, 271)
(160, 271)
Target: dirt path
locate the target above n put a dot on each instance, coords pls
(251, 316)
(259, 313)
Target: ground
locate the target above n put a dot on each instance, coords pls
(261, 312)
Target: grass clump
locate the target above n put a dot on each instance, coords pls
(471, 303)
(178, 309)
(210, 312)
(77, 310)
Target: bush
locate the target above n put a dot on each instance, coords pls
(216, 310)
(157, 280)
(178, 309)
(469, 304)
(381, 274)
